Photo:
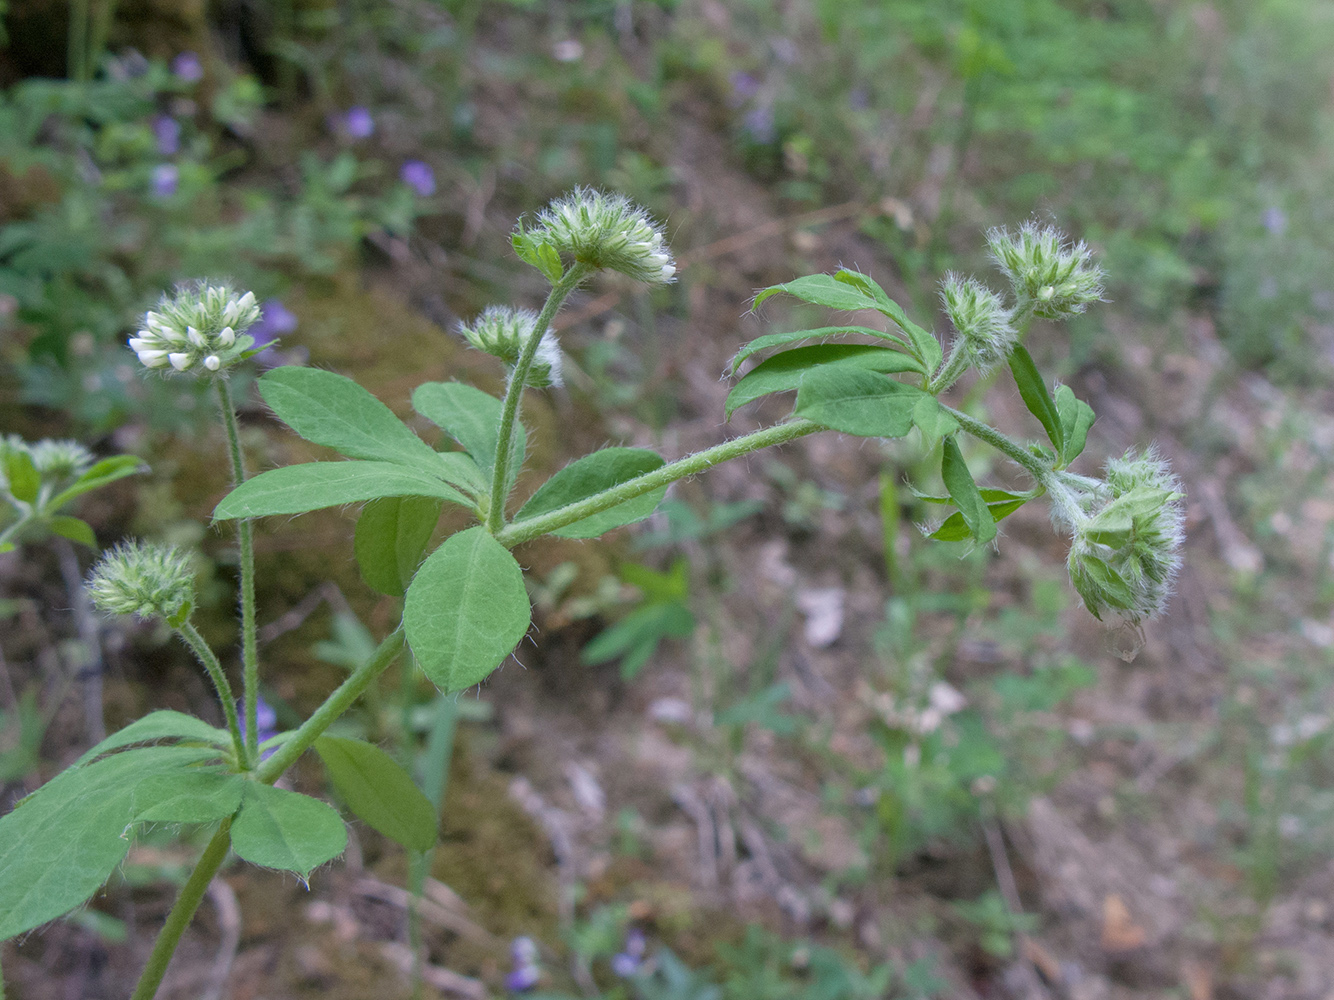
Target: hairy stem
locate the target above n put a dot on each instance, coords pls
(245, 537)
(509, 413)
(523, 531)
(192, 893)
(191, 637)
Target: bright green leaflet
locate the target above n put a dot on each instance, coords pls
(955, 528)
(466, 610)
(848, 399)
(163, 724)
(785, 371)
(592, 474)
(822, 290)
(925, 345)
(284, 830)
(59, 845)
(24, 480)
(295, 489)
(471, 417)
(377, 789)
(197, 795)
(990, 494)
(334, 411)
(73, 529)
(1076, 419)
(931, 420)
(959, 481)
(1034, 393)
(391, 538)
(779, 339)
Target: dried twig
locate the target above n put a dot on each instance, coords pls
(224, 901)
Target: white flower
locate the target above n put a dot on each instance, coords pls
(200, 324)
(606, 231)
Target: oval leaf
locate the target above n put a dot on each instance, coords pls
(73, 529)
(779, 339)
(785, 371)
(379, 791)
(1034, 393)
(334, 411)
(963, 491)
(821, 290)
(391, 538)
(108, 470)
(466, 610)
(24, 480)
(848, 399)
(592, 474)
(295, 489)
(285, 830)
(472, 418)
(163, 724)
(1076, 419)
(194, 795)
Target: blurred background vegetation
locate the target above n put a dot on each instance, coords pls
(1065, 824)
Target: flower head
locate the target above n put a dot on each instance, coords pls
(164, 179)
(167, 134)
(144, 579)
(358, 123)
(527, 972)
(419, 176)
(501, 332)
(605, 231)
(1055, 277)
(60, 460)
(200, 325)
(187, 67)
(981, 318)
(1125, 557)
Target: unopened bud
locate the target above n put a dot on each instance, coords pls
(144, 579)
(1056, 277)
(199, 325)
(502, 332)
(608, 232)
(980, 317)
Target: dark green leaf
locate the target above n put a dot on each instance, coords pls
(24, 480)
(472, 418)
(959, 482)
(955, 529)
(164, 724)
(295, 489)
(285, 830)
(1076, 419)
(391, 538)
(108, 470)
(377, 789)
(779, 339)
(466, 610)
(821, 290)
(1035, 395)
(334, 411)
(785, 371)
(192, 795)
(592, 474)
(848, 399)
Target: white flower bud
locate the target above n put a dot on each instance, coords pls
(607, 232)
(180, 361)
(198, 326)
(212, 362)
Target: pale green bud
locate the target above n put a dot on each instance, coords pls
(144, 579)
(501, 332)
(60, 461)
(1055, 277)
(200, 326)
(980, 317)
(606, 231)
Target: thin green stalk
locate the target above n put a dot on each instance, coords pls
(192, 894)
(245, 537)
(191, 637)
(1002, 443)
(509, 413)
(334, 706)
(433, 778)
(523, 531)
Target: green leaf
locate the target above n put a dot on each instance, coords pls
(549, 262)
(391, 538)
(925, 346)
(466, 610)
(778, 339)
(472, 418)
(822, 290)
(285, 830)
(377, 789)
(955, 529)
(1076, 419)
(636, 637)
(295, 489)
(989, 494)
(108, 470)
(931, 420)
(163, 724)
(73, 529)
(459, 468)
(1035, 395)
(592, 474)
(24, 480)
(785, 371)
(334, 411)
(959, 482)
(62, 842)
(847, 399)
(195, 795)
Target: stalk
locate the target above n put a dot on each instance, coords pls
(495, 515)
(191, 637)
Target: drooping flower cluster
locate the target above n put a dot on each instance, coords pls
(201, 325)
(606, 231)
(1125, 557)
(1051, 275)
(981, 318)
(144, 579)
(501, 332)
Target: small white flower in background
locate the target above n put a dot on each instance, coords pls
(57, 462)
(1055, 277)
(606, 231)
(501, 332)
(200, 325)
(144, 579)
(980, 316)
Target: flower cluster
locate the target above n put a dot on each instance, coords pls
(1125, 557)
(983, 321)
(626, 963)
(144, 579)
(527, 971)
(201, 325)
(1050, 275)
(607, 232)
(56, 462)
(502, 332)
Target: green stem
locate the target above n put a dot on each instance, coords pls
(509, 413)
(192, 894)
(523, 531)
(334, 706)
(245, 537)
(191, 637)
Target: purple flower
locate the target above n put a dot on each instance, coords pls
(526, 970)
(1275, 220)
(266, 724)
(164, 180)
(759, 123)
(187, 67)
(418, 176)
(167, 132)
(626, 963)
(275, 320)
(744, 86)
(358, 123)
